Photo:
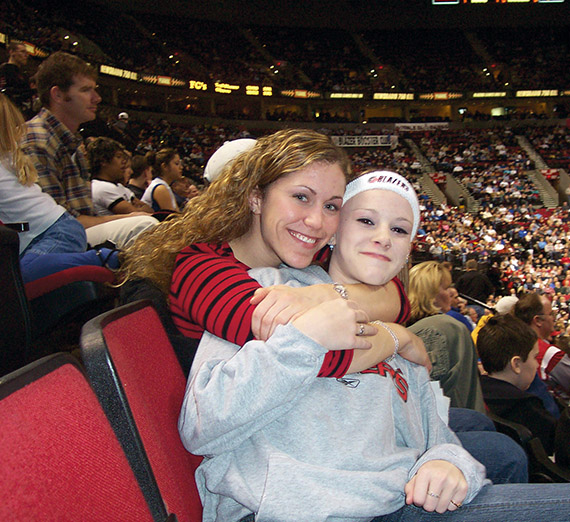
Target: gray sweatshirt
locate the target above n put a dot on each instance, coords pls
(289, 446)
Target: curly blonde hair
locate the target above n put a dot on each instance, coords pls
(425, 280)
(222, 213)
(12, 130)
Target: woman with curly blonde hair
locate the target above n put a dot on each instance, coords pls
(275, 203)
(55, 240)
(448, 342)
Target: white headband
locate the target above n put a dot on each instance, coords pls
(386, 180)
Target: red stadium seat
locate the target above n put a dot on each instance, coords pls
(138, 379)
(60, 458)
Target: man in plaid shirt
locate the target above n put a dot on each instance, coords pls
(67, 89)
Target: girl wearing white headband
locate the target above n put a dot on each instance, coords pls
(379, 219)
(283, 445)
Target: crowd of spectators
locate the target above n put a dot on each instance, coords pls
(532, 61)
(415, 61)
(324, 60)
(552, 143)
(521, 249)
(489, 163)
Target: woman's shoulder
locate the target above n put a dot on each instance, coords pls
(221, 250)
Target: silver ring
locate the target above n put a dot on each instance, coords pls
(361, 330)
(432, 494)
(456, 504)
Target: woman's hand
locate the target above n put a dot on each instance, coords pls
(281, 304)
(412, 347)
(336, 325)
(437, 486)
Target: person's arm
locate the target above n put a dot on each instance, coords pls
(122, 207)
(213, 290)
(138, 205)
(445, 468)
(279, 304)
(163, 198)
(287, 363)
(286, 303)
(410, 347)
(560, 374)
(91, 221)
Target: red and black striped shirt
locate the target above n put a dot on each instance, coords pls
(211, 290)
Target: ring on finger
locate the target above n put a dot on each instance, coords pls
(360, 330)
(432, 494)
(456, 504)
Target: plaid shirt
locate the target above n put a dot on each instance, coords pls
(59, 157)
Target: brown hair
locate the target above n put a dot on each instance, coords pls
(222, 213)
(157, 159)
(502, 338)
(13, 45)
(59, 70)
(139, 165)
(102, 150)
(528, 306)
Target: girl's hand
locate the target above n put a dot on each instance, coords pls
(437, 486)
(280, 304)
(336, 325)
(412, 347)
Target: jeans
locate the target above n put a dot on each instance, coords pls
(505, 461)
(62, 246)
(65, 235)
(34, 266)
(507, 502)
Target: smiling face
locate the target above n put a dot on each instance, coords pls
(295, 217)
(373, 238)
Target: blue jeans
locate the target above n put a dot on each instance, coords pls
(65, 235)
(34, 266)
(505, 461)
(507, 502)
(61, 246)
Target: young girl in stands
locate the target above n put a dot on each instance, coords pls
(166, 169)
(283, 445)
(55, 239)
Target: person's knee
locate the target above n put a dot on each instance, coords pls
(505, 461)
(463, 419)
(137, 225)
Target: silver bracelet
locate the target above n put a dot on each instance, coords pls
(396, 340)
(341, 290)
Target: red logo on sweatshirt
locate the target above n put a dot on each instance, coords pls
(398, 379)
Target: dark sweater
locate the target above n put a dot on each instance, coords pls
(509, 402)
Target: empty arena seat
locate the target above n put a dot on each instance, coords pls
(60, 457)
(139, 381)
